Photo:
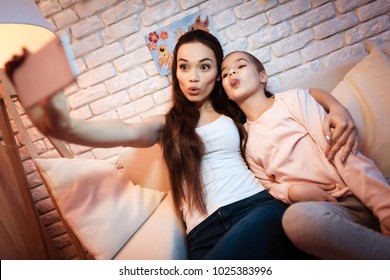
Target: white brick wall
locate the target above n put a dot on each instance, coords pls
(119, 80)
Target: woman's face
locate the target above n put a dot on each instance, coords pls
(240, 77)
(197, 72)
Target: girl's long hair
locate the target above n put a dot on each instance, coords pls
(183, 149)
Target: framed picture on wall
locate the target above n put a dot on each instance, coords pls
(161, 42)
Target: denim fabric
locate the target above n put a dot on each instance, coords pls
(248, 229)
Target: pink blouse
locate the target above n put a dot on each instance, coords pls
(286, 146)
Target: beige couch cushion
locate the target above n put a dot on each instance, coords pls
(146, 167)
(101, 205)
(365, 91)
(161, 237)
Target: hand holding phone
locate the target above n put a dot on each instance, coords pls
(37, 76)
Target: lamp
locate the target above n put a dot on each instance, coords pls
(21, 25)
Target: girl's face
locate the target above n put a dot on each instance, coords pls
(196, 72)
(240, 77)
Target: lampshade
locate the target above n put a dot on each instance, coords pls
(21, 25)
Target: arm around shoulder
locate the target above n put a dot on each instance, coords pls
(338, 128)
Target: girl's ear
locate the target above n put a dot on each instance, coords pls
(263, 77)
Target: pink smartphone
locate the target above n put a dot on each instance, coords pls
(44, 73)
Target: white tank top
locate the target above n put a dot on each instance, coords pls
(226, 177)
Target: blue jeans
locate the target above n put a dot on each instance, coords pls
(247, 229)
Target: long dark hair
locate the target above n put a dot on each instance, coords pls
(183, 149)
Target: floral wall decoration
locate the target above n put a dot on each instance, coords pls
(161, 42)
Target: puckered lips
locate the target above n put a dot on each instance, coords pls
(234, 83)
(193, 90)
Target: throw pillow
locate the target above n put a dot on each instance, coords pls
(101, 205)
(365, 91)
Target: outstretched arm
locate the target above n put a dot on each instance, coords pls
(338, 127)
(51, 117)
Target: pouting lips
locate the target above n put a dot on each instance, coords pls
(193, 90)
(234, 83)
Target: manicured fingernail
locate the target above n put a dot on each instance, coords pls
(327, 137)
(330, 158)
(343, 160)
(355, 151)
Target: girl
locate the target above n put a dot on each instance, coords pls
(227, 212)
(285, 150)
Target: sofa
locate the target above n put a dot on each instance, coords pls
(125, 211)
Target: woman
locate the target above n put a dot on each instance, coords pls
(285, 150)
(227, 212)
